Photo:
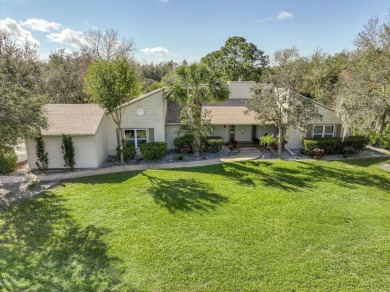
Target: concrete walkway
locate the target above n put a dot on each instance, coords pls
(244, 154)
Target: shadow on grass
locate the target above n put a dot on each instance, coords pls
(42, 248)
(183, 194)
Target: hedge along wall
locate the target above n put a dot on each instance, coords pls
(334, 145)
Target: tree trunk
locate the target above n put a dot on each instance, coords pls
(280, 141)
(119, 141)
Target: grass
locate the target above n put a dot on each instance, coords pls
(240, 226)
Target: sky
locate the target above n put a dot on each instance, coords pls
(187, 29)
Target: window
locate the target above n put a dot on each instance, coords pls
(322, 131)
(136, 136)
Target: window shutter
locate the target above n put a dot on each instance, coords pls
(151, 134)
(338, 130)
(309, 133)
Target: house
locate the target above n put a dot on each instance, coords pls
(152, 118)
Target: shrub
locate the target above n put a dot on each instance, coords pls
(8, 159)
(317, 153)
(214, 143)
(42, 155)
(330, 145)
(268, 141)
(357, 142)
(348, 151)
(232, 144)
(334, 145)
(380, 141)
(182, 142)
(68, 151)
(128, 152)
(153, 150)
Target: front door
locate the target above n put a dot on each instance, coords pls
(254, 132)
(232, 132)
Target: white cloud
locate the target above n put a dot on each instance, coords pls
(16, 31)
(157, 51)
(40, 24)
(67, 37)
(91, 26)
(285, 15)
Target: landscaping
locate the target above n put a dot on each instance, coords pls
(258, 225)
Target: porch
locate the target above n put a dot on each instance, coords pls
(243, 134)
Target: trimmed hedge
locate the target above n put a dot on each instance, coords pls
(214, 143)
(334, 145)
(183, 141)
(153, 150)
(128, 152)
(8, 159)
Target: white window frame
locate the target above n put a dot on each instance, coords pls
(135, 135)
(323, 131)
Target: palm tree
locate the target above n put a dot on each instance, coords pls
(191, 86)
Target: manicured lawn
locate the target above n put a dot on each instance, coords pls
(277, 226)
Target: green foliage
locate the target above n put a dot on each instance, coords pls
(183, 141)
(64, 75)
(42, 155)
(268, 140)
(153, 150)
(128, 151)
(68, 152)
(214, 143)
(21, 101)
(192, 86)
(237, 58)
(111, 84)
(156, 72)
(357, 142)
(8, 159)
(331, 145)
(334, 145)
(380, 140)
(363, 99)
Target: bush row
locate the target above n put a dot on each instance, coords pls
(153, 150)
(183, 144)
(128, 151)
(334, 145)
(8, 159)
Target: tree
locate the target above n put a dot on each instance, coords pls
(68, 152)
(64, 77)
(276, 100)
(237, 59)
(22, 105)
(42, 156)
(106, 45)
(111, 84)
(192, 86)
(363, 98)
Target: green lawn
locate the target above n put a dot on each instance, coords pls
(277, 226)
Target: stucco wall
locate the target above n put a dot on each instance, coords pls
(240, 89)
(219, 130)
(170, 135)
(101, 142)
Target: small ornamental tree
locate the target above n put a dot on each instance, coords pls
(278, 102)
(42, 155)
(111, 84)
(68, 151)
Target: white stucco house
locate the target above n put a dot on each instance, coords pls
(152, 118)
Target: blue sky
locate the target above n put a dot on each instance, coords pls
(187, 29)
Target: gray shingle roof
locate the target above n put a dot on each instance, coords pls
(73, 119)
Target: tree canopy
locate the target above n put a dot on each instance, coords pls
(192, 86)
(22, 105)
(237, 59)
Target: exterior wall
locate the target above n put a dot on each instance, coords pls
(329, 117)
(219, 130)
(170, 134)
(268, 129)
(243, 133)
(101, 142)
(153, 117)
(85, 151)
(240, 89)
